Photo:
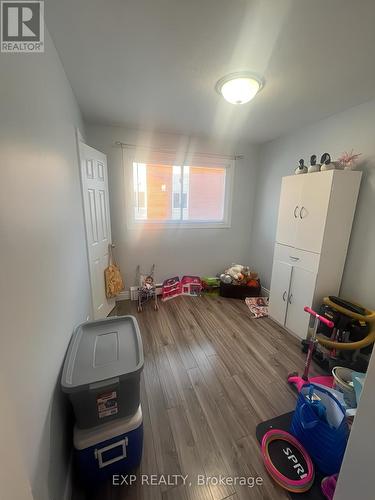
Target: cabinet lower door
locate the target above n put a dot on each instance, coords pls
(281, 273)
(301, 294)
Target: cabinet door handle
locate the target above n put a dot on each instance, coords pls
(300, 212)
(291, 257)
(284, 296)
(295, 210)
(290, 298)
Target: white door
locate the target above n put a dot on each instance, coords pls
(280, 282)
(98, 224)
(313, 209)
(290, 196)
(300, 295)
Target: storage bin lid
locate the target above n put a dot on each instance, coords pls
(101, 350)
(84, 438)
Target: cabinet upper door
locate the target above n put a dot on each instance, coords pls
(290, 201)
(301, 294)
(280, 283)
(313, 210)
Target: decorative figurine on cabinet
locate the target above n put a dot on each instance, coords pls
(301, 169)
(326, 162)
(348, 160)
(314, 167)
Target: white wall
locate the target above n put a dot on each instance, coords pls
(44, 287)
(357, 472)
(177, 251)
(353, 128)
(14, 483)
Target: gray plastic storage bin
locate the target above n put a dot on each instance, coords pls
(102, 370)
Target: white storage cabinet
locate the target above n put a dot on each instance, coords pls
(315, 219)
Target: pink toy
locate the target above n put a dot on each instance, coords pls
(329, 486)
(293, 378)
(291, 473)
(189, 285)
(171, 288)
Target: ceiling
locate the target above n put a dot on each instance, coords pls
(153, 64)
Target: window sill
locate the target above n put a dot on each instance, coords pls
(174, 225)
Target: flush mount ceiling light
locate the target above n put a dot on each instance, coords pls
(239, 88)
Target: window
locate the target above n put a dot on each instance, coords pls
(192, 195)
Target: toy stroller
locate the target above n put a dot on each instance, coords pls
(146, 289)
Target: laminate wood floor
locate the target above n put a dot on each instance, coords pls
(211, 374)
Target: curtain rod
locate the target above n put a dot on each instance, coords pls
(165, 150)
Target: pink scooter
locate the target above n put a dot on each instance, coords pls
(293, 378)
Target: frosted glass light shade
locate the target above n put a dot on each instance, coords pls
(238, 89)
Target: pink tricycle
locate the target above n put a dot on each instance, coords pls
(294, 378)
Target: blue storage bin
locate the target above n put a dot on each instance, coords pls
(111, 448)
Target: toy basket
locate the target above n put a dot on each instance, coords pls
(239, 291)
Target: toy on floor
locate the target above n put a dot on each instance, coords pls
(319, 423)
(356, 312)
(287, 461)
(258, 306)
(146, 289)
(191, 285)
(329, 486)
(238, 274)
(298, 381)
(337, 341)
(211, 285)
(171, 288)
(188, 285)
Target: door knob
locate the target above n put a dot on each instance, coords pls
(284, 296)
(300, 212)
(290, 298)
(295, 210)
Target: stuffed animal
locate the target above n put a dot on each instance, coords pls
(253, 283)
(225, 278)
(239, 274)
(253, 279)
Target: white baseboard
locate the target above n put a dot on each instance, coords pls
(132, 293)
(125, 295)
